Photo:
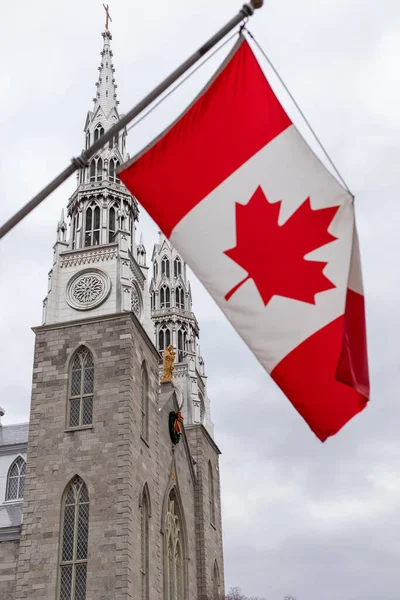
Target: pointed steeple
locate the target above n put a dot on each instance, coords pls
(62, 228)
(141, 252)
(106, 95)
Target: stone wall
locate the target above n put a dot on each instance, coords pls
(8, 564)
(208, 530)
(111, 457)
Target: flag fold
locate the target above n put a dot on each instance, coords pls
(269, 232)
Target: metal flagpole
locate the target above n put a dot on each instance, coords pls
(81, 161)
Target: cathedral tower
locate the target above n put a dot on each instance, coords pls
(176, 324)
(100, 269)
(117, 505)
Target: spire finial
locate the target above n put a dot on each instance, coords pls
(108, 17)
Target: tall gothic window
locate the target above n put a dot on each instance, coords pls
(98, 132)
(16, 480)
(165, 297)
(181, 344)
(164, 338)
(80, 403)
(87, 139)
(144, 428)
(202, 408)
(93, 170)
(155, 270)
(144, 544)
(74, 541)
(75, 221)
(153, 300)
(111, 225)
(112, 172)
(174, 576)
(216, 583)
(180, 298)
(165, 266)
(211, 495)
(177, 267)
(99, 170)
(92, 226)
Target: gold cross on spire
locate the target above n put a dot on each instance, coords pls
(108, 17)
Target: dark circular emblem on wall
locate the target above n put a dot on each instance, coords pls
(175, 430)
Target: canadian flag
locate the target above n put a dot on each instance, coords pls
(269, 232)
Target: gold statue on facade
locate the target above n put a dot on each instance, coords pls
(168, 364)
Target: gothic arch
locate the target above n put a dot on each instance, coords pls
(216, 582)
(144, 402)
(80, 389)
(70, 476)
(211, 493)
(78, 347)
(74, 539)
(145, 493)
(172, 493)
(145, 514)
(15, 482)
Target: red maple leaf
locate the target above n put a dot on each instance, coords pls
(273, 254)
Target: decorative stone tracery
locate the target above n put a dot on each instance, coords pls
(88, 289)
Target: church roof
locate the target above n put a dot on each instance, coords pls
(14, 434)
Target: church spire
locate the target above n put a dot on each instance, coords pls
(106, 95)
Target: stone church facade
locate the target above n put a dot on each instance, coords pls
(97, 502)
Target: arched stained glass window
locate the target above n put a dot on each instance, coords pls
(216, 583)
(16, 480)
(144, 544)
(174, 565)
(211, 496)
(144, 428)
(80, 403)
(74, 541)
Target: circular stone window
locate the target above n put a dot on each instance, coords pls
(88, 289)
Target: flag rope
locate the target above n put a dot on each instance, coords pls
(244, 13)
(307, 122)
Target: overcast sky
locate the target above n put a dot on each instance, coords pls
(321, 521)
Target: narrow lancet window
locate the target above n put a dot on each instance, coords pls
(165, 266)
(211, 496)
(80, 404)
(111, 225)
(144, 545)
(16, 480)
(144, 428)
(74, 542)
(216, 583)
(173, 560)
